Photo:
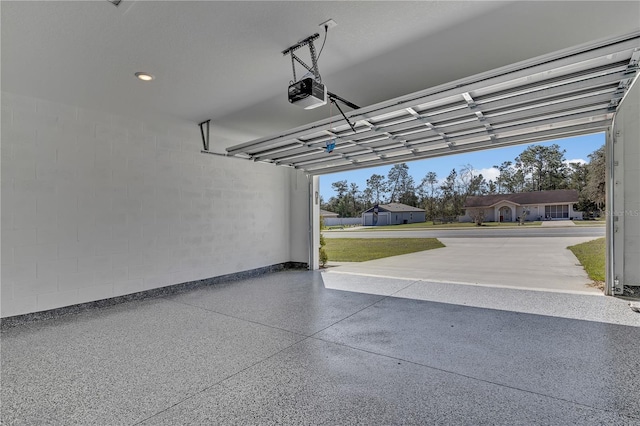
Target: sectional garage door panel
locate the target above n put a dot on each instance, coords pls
(564, 94)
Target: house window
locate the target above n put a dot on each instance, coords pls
(557, 212)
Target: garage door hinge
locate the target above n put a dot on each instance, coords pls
(617, 287)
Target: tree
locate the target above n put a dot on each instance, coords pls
(340, 187)
(408, 192)
(449, 201)
(354, 195)
(519, 182)
(331, 205)
(377, 187)
(341, 205)
(492, 188)
(429, 193)
(477, 215)
(400, 183)
(471, 183)
(577, 176)
(537, 168)
(367, 198)
(523, 216)
(511, 178)
(505, 180)
(595, 189)
(544, 166)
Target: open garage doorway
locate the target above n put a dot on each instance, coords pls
(507, 249)
(560, 95)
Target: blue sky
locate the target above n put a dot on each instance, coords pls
(577, 148)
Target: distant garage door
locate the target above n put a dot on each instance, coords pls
(371, 219)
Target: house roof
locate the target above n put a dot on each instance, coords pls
(327, 213)
(521, 198)
(396, 208)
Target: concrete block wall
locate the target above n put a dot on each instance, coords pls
(299, 217)
(95, 205)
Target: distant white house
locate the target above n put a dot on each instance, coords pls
(539, 205)
(327, 214)
(392, 214)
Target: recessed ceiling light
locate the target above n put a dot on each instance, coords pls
(144, 76)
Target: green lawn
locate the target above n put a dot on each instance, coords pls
(592, 257)
(334, 227)
(589, 222)
(430, 225)
(363, 249)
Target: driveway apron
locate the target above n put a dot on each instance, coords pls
(528, 263)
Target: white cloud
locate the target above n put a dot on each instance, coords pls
(577, 160)
(490, 173)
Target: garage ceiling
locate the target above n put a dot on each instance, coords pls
(564, 94)
(221, 60)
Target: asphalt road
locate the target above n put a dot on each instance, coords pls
(514, 232)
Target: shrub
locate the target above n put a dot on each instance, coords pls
(323, 257)
(477, 215)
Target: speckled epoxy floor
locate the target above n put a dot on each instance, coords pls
(284, 349)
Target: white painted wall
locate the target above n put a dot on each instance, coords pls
(625, 212)
(96, 205)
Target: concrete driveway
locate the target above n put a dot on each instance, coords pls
(531, 263)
